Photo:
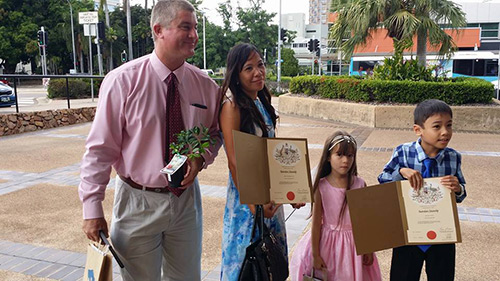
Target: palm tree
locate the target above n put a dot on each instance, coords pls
(403, 19)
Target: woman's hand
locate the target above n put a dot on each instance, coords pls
(368, 259)
(298, 205)
(270, 209)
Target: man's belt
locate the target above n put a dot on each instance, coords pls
(135, 185)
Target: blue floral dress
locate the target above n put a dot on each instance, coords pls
(238, 222)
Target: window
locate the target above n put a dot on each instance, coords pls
(476, 67)
(463, 67)
(491, 68)
(479, 67)
(488, 30)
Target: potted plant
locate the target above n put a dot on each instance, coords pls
(190, 144)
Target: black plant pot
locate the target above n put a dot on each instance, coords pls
(176, 178)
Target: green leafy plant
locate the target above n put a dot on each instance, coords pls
(193, 142)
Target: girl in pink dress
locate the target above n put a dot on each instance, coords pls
(329, 246)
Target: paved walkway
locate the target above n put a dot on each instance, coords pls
(66, 265)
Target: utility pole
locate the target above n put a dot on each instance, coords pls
(320, 38)
(72, 35)
(204, 45)
(129, 32)
(279, 49)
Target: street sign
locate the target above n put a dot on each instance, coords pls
(89, 30)
(88, 17)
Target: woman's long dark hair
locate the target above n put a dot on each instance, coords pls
(324, 167)
(250, 115)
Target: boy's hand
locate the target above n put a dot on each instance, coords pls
(368, 259)
(318, 262)
(451, 182)
(413, 176)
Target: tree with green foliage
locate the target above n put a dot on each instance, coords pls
(290, 65)
(254, 27)
(402, 19)
(21, 19)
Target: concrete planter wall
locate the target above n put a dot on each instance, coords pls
(31, 121)
(470, 118)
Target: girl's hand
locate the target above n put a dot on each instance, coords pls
(368, 259)
(270, 209)
(451, 182)
(414, 177)
(318, 263)
(298, 205)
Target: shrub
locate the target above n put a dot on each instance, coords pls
(455, 91)
(78, 88)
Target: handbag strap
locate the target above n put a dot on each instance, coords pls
(258, 222)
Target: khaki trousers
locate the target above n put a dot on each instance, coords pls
(157, 235)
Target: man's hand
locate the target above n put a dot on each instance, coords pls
(451, 182)
(194, 166)
(414, 177)
(91, 228)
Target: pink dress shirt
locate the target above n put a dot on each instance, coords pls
(129, 129)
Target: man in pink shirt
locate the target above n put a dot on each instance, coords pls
(157, 233)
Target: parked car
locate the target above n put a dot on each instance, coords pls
(7, 97)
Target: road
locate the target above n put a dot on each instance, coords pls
(34, 98)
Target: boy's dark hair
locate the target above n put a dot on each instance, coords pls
(427, 108)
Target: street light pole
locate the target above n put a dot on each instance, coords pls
(72, 35)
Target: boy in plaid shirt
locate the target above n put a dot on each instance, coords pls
(427, 157)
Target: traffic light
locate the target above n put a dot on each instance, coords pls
(46, 38)
(101, 34)
(124, 56)
(310, 45)
(318, 52)
(39, 36)
(283, 34)
(316, 44)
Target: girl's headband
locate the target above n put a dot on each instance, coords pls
(340, 138)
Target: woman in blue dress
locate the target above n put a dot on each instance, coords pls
(246, 107)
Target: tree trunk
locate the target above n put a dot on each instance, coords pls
(422, 47)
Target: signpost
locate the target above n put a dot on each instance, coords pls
(89, 21)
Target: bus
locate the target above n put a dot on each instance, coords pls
(479, 64)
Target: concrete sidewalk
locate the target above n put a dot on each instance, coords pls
(40, 213)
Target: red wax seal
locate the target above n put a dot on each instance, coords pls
(290, 195)
(431, 235)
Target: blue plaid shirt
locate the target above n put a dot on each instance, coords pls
(411, 155)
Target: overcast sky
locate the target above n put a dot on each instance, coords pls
(287, 6)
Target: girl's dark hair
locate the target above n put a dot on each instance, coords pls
(324, 167)
(250, 115)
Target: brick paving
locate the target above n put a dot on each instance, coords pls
(65, 265)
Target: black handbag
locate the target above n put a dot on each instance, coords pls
(264, 259)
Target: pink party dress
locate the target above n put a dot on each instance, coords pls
(337, 242)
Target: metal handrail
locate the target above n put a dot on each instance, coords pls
(36, 76)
